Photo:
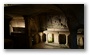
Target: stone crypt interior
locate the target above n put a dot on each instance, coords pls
(43, 26)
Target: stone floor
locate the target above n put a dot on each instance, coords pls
(49, 46)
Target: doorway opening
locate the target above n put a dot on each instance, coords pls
(62, 39)
(50, 38)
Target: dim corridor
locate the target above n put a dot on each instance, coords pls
(43, 45)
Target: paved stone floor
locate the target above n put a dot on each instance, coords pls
(49, 46)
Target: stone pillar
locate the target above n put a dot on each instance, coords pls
(56, 39)
(72, 22)
(7, 20)
(46, 37)
(41, 35)
(27, 32)
(66, 40)
(73, 39)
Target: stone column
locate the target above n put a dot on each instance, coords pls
(73, 39)
(27, 32)
(41, 36)
(7, 20)
(72, 25)
(66, 40)
(56, 40)
(46, 37)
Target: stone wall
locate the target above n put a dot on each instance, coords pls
(56, 21)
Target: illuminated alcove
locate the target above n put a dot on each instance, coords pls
(50, 38)
(17, 24)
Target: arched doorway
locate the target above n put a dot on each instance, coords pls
(44, 37)
(50, 38)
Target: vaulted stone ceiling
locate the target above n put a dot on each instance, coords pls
(76, 10)
(32, 9)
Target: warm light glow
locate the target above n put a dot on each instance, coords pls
(50, 37)
(56, 33)
(17, 22)
(80, 40)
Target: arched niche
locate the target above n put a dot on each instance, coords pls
(17, 24)
(50, 38)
